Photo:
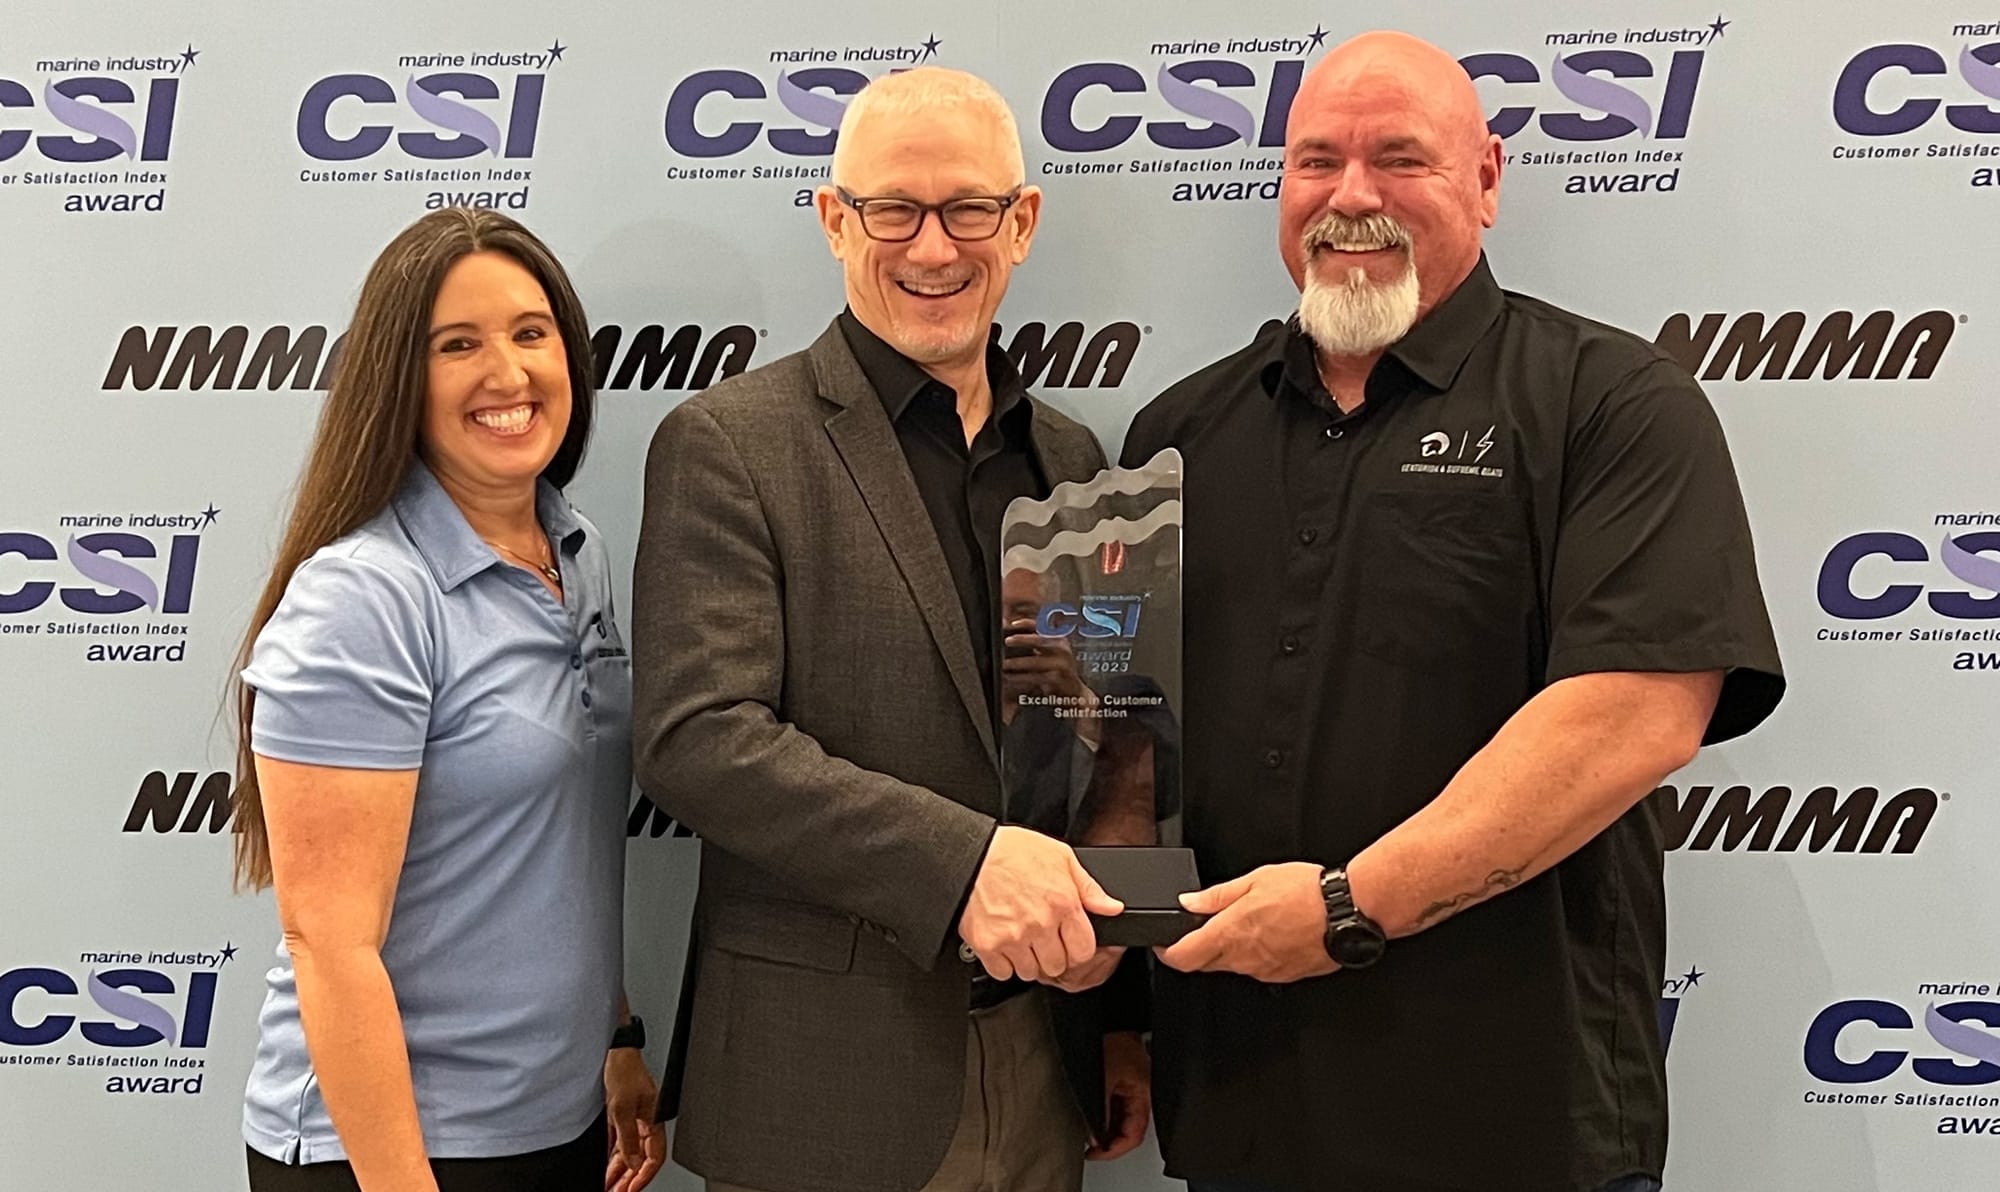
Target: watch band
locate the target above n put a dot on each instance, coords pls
(1353, 939)
(629, 1034)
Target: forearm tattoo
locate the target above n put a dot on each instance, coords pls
(1496, 882)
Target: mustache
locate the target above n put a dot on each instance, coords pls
(1356, 232)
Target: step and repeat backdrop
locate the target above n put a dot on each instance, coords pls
(1799, 200)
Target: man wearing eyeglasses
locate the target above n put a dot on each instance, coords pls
(817, 666)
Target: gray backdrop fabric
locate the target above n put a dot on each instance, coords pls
(1802, 199)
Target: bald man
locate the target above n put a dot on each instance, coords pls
(816, 673)
(1469, 575)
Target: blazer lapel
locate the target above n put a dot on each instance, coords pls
(867, 444)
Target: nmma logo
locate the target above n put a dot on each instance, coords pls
(189, 802)
(205, 357)
(650, 356)
(1066, 359)
(1822, 821)
(1880, 347)
(167, 804)
(648, 819)
(202, 357)
(655, 358)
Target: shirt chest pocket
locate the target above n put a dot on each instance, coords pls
(1444, 579)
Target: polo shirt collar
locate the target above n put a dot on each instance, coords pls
(450, 548)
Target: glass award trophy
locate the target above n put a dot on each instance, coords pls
(1090, 687)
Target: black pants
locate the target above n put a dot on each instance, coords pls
(575, 1166)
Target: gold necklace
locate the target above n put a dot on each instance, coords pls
(548, 570)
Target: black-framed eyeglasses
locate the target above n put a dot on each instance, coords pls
(896, 220)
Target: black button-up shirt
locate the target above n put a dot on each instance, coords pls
(1523, 496)
(965, 488)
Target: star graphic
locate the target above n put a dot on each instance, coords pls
(1318, 36)
(930, 48)
(555, 52)
(1715, 29)
(208, 516)
(228, 953)
(1693, 977)
(188, 56)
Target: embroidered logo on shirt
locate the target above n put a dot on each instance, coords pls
(1444, 453)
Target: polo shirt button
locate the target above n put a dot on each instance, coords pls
(1273, 759)
(1290, 645)
(1307, 535)
(576, 662)
(586, 699)
(966, 954)
(1334, 432)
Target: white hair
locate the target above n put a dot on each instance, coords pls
(926, 88)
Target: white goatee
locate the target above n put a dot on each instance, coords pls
(1356, 315)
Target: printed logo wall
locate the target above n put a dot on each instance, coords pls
(1790, 200)
(93, 132)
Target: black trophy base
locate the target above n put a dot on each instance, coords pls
(1149, 881)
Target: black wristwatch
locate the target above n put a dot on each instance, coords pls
(629, 1034)
(1353, 939)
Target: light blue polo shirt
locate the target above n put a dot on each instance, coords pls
(409, 644)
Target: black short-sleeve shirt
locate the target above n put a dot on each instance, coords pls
(1524, 496)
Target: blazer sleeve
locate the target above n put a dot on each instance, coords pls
(708, 632)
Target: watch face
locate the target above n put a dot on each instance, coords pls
(1354, 946)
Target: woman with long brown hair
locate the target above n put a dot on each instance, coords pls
(433, 713)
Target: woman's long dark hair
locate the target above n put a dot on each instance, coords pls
(367, 432)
